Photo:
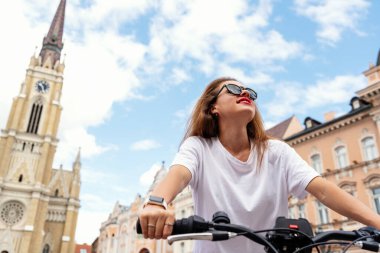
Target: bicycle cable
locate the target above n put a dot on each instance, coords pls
(319, 244)
(356, 240)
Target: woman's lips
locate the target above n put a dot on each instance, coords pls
(244, 100)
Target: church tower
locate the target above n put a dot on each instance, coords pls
(38, 204)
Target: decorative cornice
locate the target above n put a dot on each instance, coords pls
(328, 127)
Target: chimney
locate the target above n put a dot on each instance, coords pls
(329, 116)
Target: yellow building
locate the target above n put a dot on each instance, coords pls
(345, 150)
(38, 204)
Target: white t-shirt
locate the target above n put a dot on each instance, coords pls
(250, 196)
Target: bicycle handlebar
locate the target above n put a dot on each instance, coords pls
(294, 240)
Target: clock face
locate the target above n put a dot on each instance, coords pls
(42, 86)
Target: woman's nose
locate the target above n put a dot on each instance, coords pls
(244, 93)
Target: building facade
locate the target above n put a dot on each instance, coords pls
(118, 232)
(345, 150)
(38, 204)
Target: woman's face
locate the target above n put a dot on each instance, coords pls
(236, 107)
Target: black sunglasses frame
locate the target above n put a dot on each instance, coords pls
(228, 86)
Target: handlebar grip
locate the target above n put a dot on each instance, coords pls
(193, 224)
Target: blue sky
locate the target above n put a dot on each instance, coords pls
(134, 69)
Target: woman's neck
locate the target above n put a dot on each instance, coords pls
(235, 139)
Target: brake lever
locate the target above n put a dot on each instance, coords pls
(208, 236)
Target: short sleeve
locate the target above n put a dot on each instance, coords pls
(298, 173)
(189, 155)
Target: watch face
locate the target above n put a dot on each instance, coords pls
(156, 199)
(42, 86)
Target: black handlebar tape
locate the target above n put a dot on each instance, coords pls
(193, 224)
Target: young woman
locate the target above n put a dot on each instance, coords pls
(233, 166)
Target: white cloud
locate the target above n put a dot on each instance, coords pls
(146, 179)
(326, 92)
(179, 76)
(232, 32)
(252, 80)
(88, 226)
(334, 91)
(145, 145)
(333, 17)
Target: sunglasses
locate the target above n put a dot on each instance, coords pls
(237, 90)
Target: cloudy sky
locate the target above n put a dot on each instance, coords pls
(134, 70)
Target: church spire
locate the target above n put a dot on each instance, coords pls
(52, 43)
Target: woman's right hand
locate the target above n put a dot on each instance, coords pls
(156, 222)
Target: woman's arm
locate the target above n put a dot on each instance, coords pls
(342, 202)
(159, 219)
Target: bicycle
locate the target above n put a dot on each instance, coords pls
(287, 236)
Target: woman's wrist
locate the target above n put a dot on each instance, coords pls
(157, 201)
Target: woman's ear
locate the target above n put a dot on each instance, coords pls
(213, 109)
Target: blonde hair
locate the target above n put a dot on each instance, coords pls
(203, 123)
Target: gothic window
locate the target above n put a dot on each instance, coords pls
(316, 162)
(46, 249)
(322, 213)
(341, 156)
(12, 212)
(56, 193)
(20, 178)
(369, 148)
(35, 117)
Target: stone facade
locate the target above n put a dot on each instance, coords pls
(345, 150)
(118, 232)
(38, 204)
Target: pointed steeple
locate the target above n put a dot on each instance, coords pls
(52, 43)
(77, 162)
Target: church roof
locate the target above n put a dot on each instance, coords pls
(53, 43)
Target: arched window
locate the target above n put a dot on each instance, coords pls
(316, 162)
(369, 148)
(46, 249)
(341, 156)
(20, 178)
(35, 117)
(56, 193)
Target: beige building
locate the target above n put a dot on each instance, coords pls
(345, 150)
(38, 204)
(118, 232)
